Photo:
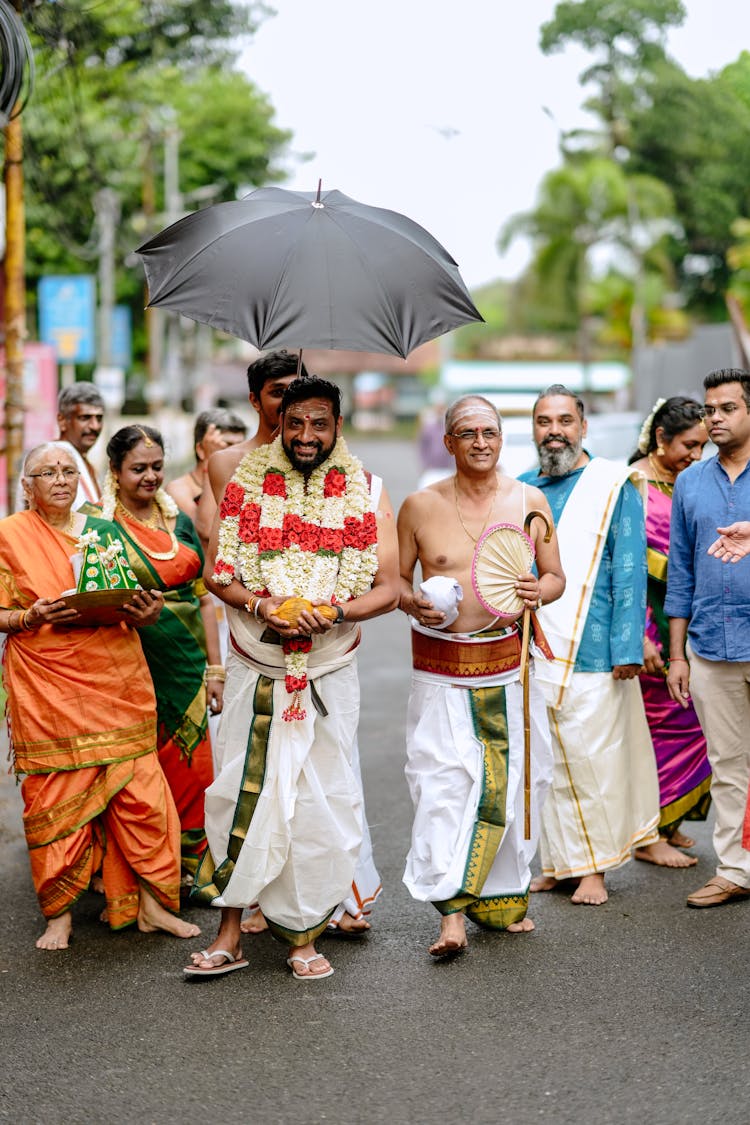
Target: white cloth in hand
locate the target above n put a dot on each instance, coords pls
(445, 594)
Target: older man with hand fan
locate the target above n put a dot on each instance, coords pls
(465, 748)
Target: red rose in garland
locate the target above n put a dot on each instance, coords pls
(335, 483)
(232, 500)
(274, 484)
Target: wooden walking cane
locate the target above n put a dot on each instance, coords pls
(524, 677)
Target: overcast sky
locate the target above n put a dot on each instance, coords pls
(435, 108)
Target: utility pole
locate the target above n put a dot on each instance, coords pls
(107, 210)
(15, 301)
(174, 207)
(153, 317)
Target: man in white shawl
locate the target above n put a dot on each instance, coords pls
(300, 519)
(604, 797)
(465, 728)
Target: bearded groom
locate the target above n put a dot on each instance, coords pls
(299, 519)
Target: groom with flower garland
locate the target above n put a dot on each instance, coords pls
(300, 519)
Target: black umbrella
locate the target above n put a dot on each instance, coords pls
(308, 270)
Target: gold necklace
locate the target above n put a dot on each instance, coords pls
(152, 524)
(487, 518)
(657, 471)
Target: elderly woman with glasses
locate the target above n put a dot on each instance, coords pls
(82, 721)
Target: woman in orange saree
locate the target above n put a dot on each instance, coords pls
(82, 723)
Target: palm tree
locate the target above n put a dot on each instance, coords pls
(589, 202)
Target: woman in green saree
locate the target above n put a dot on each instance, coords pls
(164, 551)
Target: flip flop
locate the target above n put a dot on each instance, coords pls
(306, 961)
(346, 935)
(229, 965)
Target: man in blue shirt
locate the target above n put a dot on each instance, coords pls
(604, 798)
(709, 609)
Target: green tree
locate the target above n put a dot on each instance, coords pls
(694, 134)
(627, 38)
(588, 203)
(96, 119)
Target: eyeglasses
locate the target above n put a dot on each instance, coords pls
(472, 435)
(52, 474)
(726, 410)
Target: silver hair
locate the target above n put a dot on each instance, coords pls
(463, 406)
(38, 450)
(80, 392)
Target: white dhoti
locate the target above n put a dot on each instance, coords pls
(284, 813)
(366, 886)
(465, 752)
(601, 801)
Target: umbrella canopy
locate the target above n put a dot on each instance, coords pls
(306, 270)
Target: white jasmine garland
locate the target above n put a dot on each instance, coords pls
(287, 535)
(292, 570)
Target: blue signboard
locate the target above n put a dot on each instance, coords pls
(67, 316)
(122, 337)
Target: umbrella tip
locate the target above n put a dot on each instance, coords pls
(317, 202)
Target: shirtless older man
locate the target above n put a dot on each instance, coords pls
(465, 747)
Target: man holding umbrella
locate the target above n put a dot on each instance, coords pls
(300, 519)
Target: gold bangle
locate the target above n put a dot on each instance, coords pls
(24, 621)
(215, 672)
(251, 603)
(14, 626)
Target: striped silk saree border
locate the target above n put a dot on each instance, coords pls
(210, 881)
(497, 912)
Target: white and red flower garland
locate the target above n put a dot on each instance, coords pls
(285, 535)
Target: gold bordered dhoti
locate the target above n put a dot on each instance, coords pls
(465, 743)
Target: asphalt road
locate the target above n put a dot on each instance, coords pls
(636, 1011)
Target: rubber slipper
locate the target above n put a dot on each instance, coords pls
(307, 961)
(346, 935)
(229, 965)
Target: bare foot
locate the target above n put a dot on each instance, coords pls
(544, 883)
(591, 891)
(57, 934)
(255, 923)
(96, 885)
(678, 840)
(348, 924)
(306, 962)
(525, 926)
(152, 917)
(452, 940)
(104, 916)
(664, 855)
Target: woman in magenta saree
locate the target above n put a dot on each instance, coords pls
(671, 439)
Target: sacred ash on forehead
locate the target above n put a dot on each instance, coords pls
(473, 408)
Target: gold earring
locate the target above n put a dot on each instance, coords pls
(660, 451)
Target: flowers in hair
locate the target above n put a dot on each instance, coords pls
(644, 438)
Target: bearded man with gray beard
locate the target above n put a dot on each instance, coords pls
(604, 797)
